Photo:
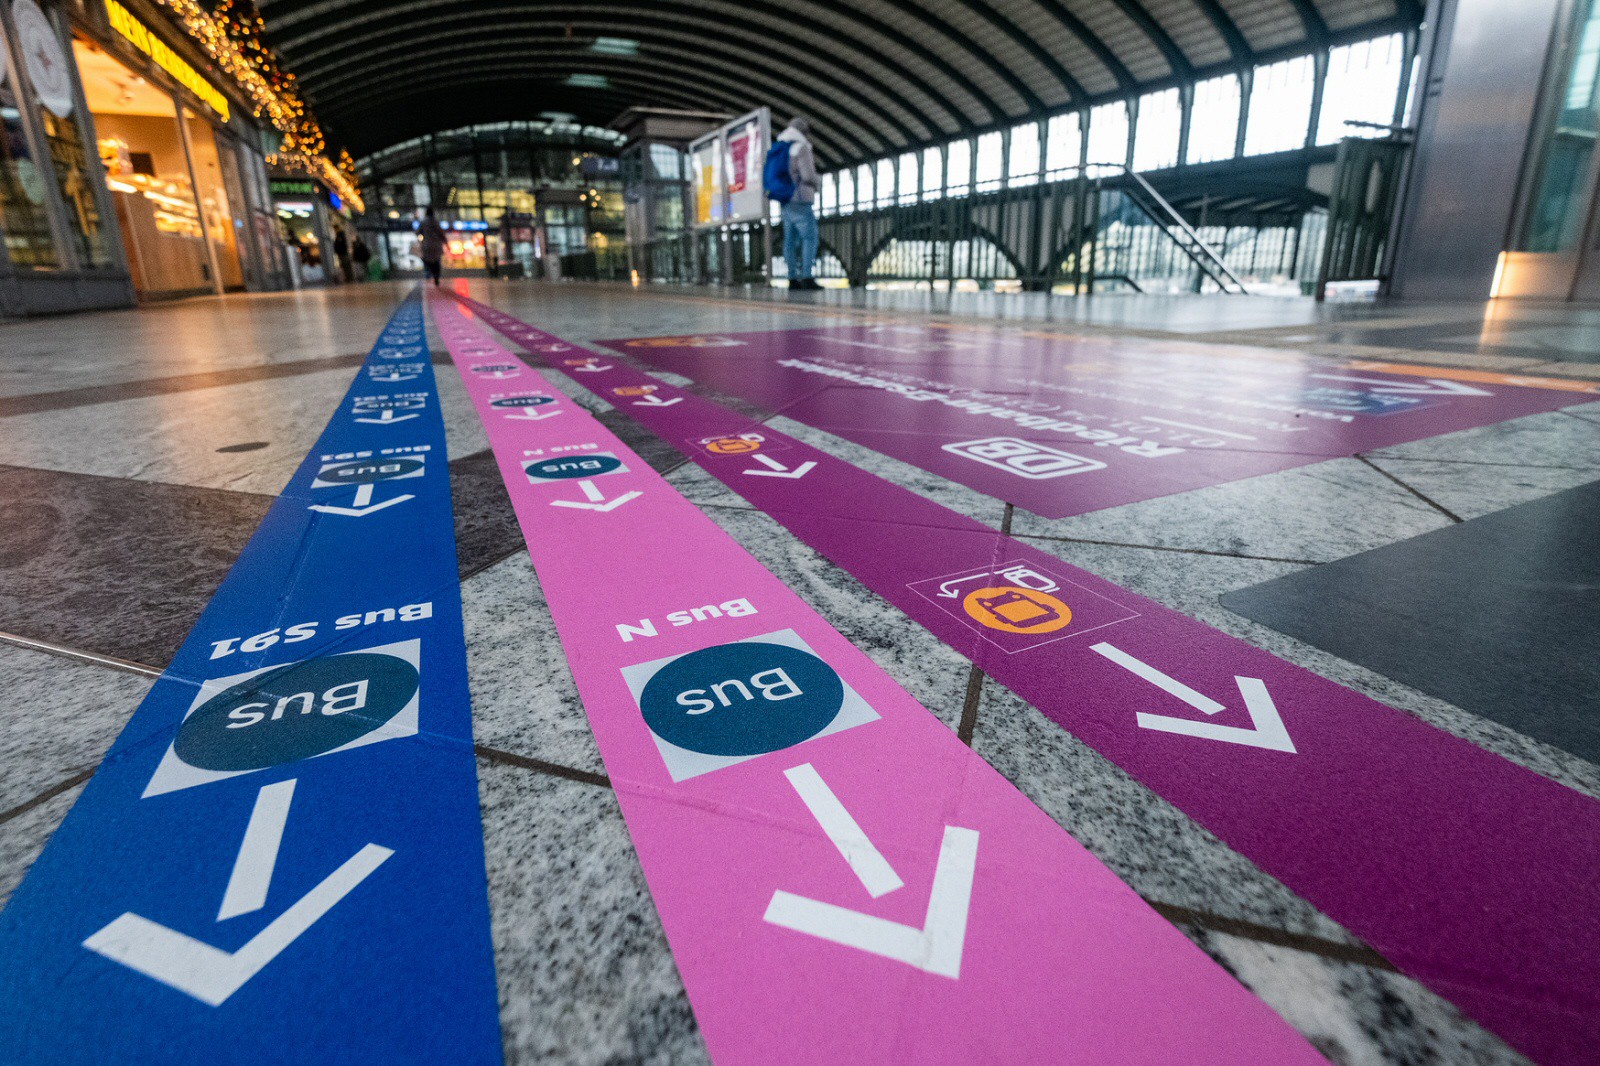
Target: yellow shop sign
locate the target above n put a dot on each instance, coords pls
(139, 35)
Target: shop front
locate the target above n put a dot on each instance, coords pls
(131, 165)
(469, 246)
(183, 161)
(62, 249)
(307, 215)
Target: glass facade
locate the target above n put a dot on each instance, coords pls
(1560, 201)
(1361, 85)
(24, 211)
(76, 185)
(512, 194)
(113, 174)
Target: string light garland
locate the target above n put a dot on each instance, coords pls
(232, 36)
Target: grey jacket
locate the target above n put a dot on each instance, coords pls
(802, 166)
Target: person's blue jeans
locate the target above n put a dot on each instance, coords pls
(799, 239)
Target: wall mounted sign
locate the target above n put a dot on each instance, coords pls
(141, 37)
(44, 58)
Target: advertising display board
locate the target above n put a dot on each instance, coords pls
(725, 167)
(705, 171)
(745, 142)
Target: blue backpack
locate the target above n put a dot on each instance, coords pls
(775, 173)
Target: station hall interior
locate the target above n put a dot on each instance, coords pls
(792, 532)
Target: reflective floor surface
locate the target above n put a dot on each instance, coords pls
(139, 449)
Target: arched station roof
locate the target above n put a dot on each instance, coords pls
(875, 76)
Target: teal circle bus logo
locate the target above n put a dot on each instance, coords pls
(746, 698)
(573, 466)
(296, 711)
(367, 472)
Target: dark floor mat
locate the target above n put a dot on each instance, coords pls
(123, 568)
(1499, 615)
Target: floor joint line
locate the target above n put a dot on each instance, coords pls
(1415, 492)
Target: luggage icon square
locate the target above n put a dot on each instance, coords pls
(1018, 609)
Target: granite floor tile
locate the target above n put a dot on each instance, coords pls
(176, 438)
(523, 697)
(1355, 1015)
(1315, 513)
(585, 973)
(124, 567)
(60, 717)
(190, 336)
(1550, 439)
(1471, 490)
(23, 837)
(114, 567)
(33, 403)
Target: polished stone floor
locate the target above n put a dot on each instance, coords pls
(139, 449)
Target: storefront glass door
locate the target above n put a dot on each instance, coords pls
(215, 207)
(148, 175)
(49, 69)
(24, 213)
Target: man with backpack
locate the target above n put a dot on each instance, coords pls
(790, 176)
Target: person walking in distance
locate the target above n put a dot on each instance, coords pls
(432, 235)
(791, 179)
(341, 253)
(362, 255)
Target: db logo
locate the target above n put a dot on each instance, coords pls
(743, 444)
(1012, 609)
(634, 390)
(1023, 458)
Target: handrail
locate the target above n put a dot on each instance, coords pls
(1216, 261)
(1210, 263)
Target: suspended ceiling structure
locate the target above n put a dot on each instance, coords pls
(875, 76)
